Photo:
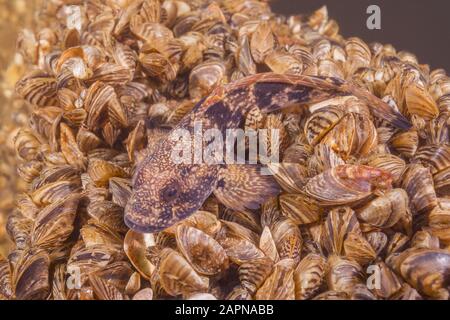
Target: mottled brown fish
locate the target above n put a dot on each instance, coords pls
(165, 193)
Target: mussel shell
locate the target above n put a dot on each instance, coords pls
(253, 273)
(135, 247)
(31, 275)
(418, 183)
(280, 284)
(204, 253)
(343, 274)
(299, 208)
(346, 184)
(309, 276)
(427, 270)
(177, 276)
(385, 211)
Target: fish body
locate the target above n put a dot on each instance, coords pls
(165, 192)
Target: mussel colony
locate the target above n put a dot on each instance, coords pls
(101, 71)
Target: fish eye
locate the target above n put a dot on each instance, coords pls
(170, 192)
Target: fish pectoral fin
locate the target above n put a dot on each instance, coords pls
(245, 187)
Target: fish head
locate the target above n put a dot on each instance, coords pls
(165, 193)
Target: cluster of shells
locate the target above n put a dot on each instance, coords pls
(107, 77)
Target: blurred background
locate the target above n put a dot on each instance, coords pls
(14, 15)
(419, 26)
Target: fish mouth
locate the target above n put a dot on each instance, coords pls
(140, 227)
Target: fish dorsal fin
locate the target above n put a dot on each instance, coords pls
(244, 187)
(272, 92)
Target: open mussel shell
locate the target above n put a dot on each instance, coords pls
(136, 246)
(204, 253)
(178, 277)
(205, 221)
